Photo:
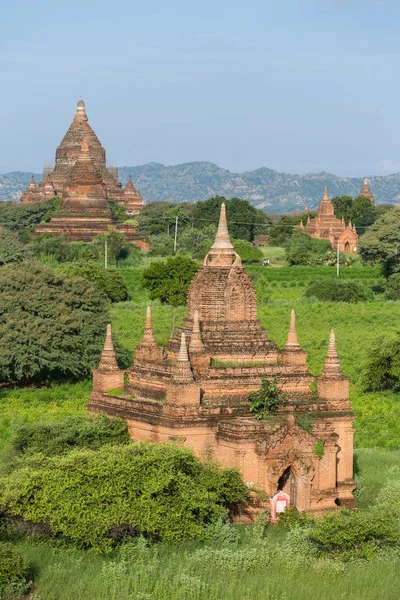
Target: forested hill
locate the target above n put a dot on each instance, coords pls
(265, 188)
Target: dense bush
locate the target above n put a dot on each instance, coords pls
(18, 217)
(306, 250)
(169, 281)
(382, 368)
(161, 245)
(350, 533)
(47, 246)
(392, 288)
(11, 249)
(95, 499)
(380, 244)
(51, 327)
(247, 252)
(108, 281)
(331, 290)
(55, 438)
(13, 568)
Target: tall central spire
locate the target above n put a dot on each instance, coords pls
(81, 111)
(222, 252)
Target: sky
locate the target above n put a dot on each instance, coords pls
(299, 86)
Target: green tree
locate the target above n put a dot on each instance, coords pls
(97, 498)
(381, 242)
(267, 399)
(247, 252)
(117, 246)
(23, 217)
(284, 227)
(306, 250)
(109, 281)
(244, 220)
(169, 281)
(195, 242)
(51, 327)
(382, 366)
(343, 206)
(11, 249)
(151, 218)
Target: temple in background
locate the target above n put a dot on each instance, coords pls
(365, 191)
(195, 391)
(67, 153)
(327, 226)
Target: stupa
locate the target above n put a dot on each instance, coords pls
(67, 154)
(84, 211)
(327, 226)
(131, 199)
(195, 392)
(365, 191)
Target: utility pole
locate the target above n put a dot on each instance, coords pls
(337, 260)
(105, 254)
(176, 233)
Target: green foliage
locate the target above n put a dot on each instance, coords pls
(280, 233)
(117, 210)
(350, 533)
(247, 252)
(59, 437)
(306, 250)
(267, 399)
(151, 218)
(169, 281)
(382, 368)
(381, 243)
(196, 242)
(109, 281)
(13, 568)
(359, 211)
(97, 498)
(319, 449)
(244, 221)
(333, 290)
(21, 217)
(305, 421)
(51, 327)
(161, 245)
(392, 288)
(46, 246)
(291, 518)
(11, 249)
(117, 246)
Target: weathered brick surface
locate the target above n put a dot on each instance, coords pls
(186, 394)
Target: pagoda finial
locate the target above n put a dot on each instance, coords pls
(292, 340)
(183, 353)
(80, 111)
(301, 224)
(326, 197)
(332, 363)
(148, 336)
(108, 359)
(222, 239)
(365, 180)
(32, 183)
(195, 340)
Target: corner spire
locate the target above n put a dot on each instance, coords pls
(196, 344)
(292, 340)
(32, 183)
(183, 353)
(332, 367)
(108, 359)
(148, 335)
(326, 197)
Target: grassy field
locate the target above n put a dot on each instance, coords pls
(271, 568)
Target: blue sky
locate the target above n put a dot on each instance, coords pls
(298, 86)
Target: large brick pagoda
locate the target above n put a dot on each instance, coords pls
(327, 226)
(195, 391)
(84, 211)
(67, 154)
(365, 191)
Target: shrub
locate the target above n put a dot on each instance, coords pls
(392, 288)
(305, 250)
(108, 281)
(13, 567)
(97, 498)
(161, 245)
(247, 252)
(51, 327)
(291, 517)
(46, 246)
(331, 290)
(267, 399)
(11, 249)
(382, 368)
(350, 533)
(169, 281)
(52, 439)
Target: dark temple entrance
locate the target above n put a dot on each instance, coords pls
(287, 484)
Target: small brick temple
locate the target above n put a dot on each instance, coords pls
(195, 391)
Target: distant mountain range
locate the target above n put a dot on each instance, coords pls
(265, 188)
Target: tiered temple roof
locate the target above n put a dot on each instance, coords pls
(67, 154)
(196, 391)
(327, 226)
(365, 191)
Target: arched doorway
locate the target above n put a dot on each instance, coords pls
(287, 484)
(347, 248)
